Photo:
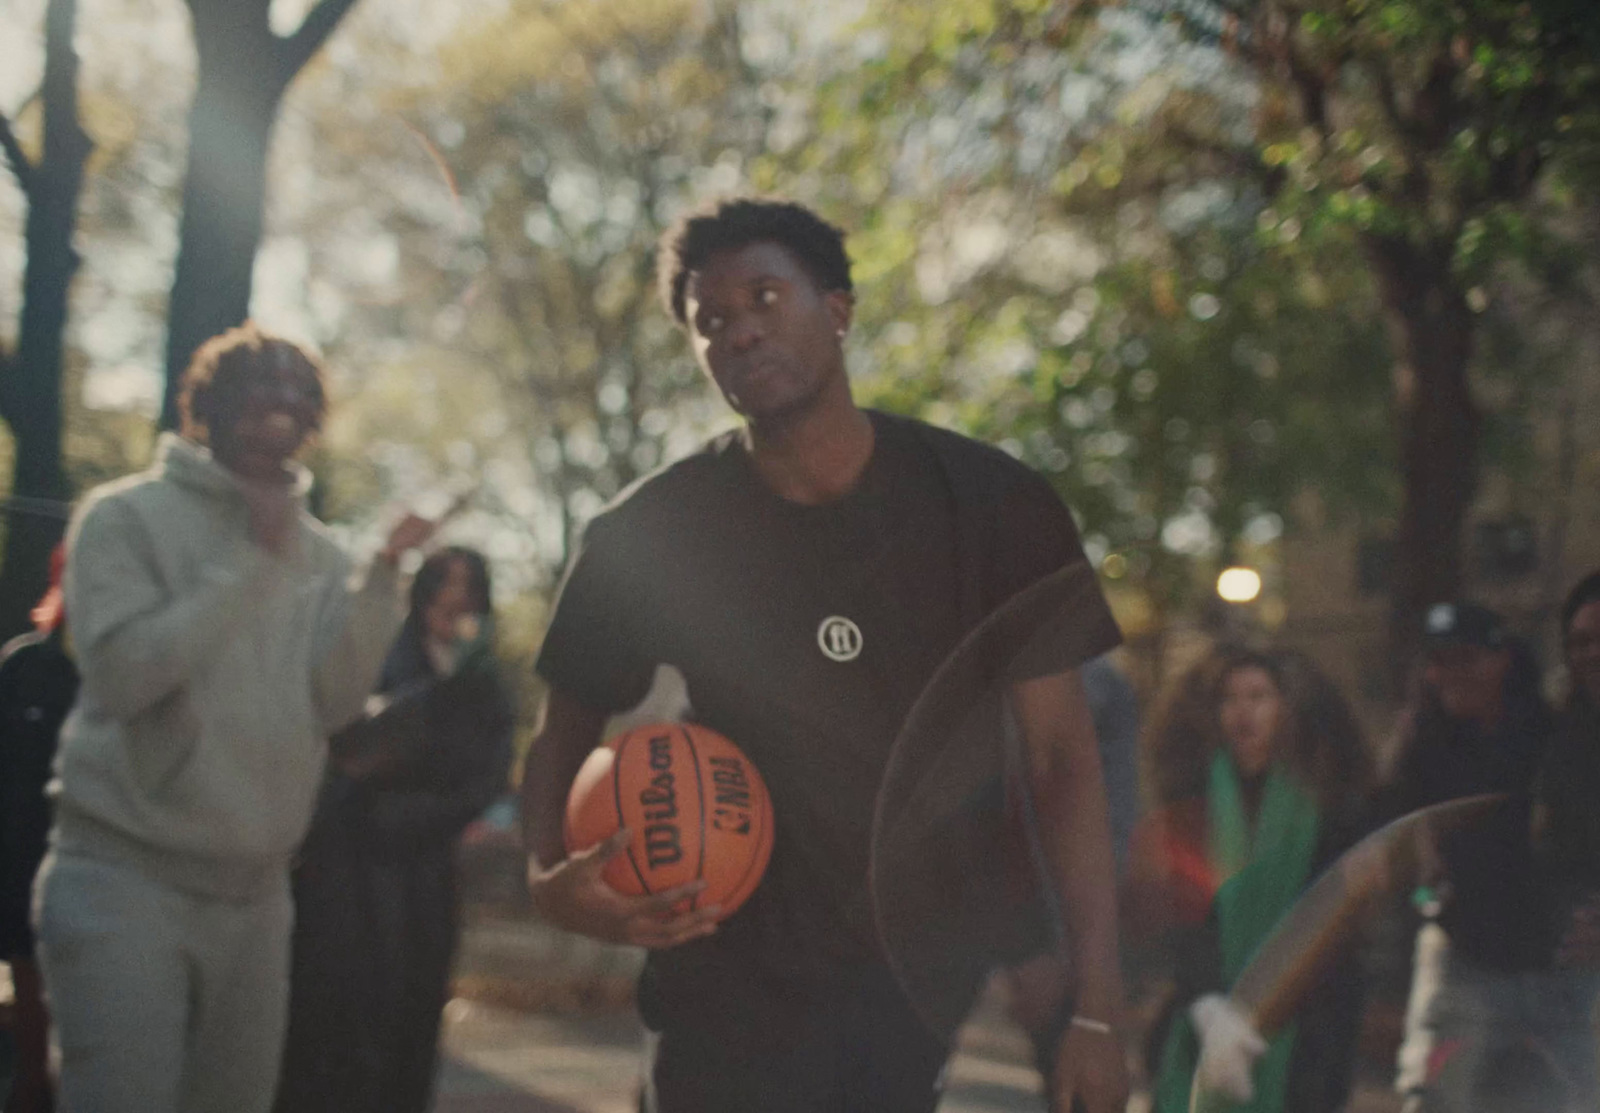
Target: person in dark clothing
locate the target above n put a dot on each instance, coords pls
(375, 888)
(1483, 982)
(1569, 793)
(1260, 777)
(808, 574)
(38, 683)
(1567, 823)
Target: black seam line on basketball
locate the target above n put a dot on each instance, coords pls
(700, 788)
(750, 865)
(622, 820)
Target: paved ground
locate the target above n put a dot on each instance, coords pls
(502, 1060)
(545, 1028)
(543, 1025)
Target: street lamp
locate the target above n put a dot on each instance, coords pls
(1239, 585)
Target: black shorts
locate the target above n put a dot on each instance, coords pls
(849, 1048)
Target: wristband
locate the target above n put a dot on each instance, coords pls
(1089, 1024)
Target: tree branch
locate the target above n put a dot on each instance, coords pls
(1276, 30)
(24, 169)
(319, 23)
(1244, 161)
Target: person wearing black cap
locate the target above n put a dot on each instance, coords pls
(1483, 988)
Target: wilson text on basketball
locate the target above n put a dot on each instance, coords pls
(662, 844)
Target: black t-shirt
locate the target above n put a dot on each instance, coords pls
(805, 633)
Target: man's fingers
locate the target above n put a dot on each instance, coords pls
(411, 532)
(663, 903)
(603, 852)
(671, 933)
(661, 938)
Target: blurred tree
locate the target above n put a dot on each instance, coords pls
(245, 67)
(31, 375)
(1432, 143)
(526, 193)
(1141, 346)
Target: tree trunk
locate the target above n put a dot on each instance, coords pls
(1440, 429)
(244, 69)
(30, 394)
(224, 204)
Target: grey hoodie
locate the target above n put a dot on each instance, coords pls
(213, 672)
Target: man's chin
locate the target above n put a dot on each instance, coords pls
(777, 408)
(261, 467)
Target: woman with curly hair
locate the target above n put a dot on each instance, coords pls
(1259, 777)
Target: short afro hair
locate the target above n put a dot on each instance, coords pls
(224, 368)
(738, 222)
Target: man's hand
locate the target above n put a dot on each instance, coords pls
(1580, 943)
(413, 532)
(274, 515)
(1090, 1071)
(574, 896)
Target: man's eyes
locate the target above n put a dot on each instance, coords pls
(715, 322)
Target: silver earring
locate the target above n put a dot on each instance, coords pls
(840, 334)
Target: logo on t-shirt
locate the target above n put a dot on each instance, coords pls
(839, 639)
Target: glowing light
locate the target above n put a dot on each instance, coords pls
(1239, 585)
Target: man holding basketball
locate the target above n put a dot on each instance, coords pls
(807, 575)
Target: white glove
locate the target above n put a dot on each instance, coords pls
(1229, 1047)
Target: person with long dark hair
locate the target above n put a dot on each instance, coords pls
(375, 890)
(1259, 774)
(1570, 783)
(1568, 834)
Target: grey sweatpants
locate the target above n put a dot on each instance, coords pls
(164, 1001)
(1489, 1041)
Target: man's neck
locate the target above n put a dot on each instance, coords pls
(815, 457)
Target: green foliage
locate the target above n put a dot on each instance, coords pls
(587, 127)
(1250, 181)
(525, 192)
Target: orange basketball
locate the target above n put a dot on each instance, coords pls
(696, 806)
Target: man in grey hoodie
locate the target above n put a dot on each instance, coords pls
(221, 639)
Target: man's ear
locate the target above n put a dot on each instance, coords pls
(841, 309)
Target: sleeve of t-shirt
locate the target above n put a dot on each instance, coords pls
(592, 650)
(1036, 538)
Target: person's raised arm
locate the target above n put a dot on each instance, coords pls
(365, 618)
(569, 890)
(1065, 776)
